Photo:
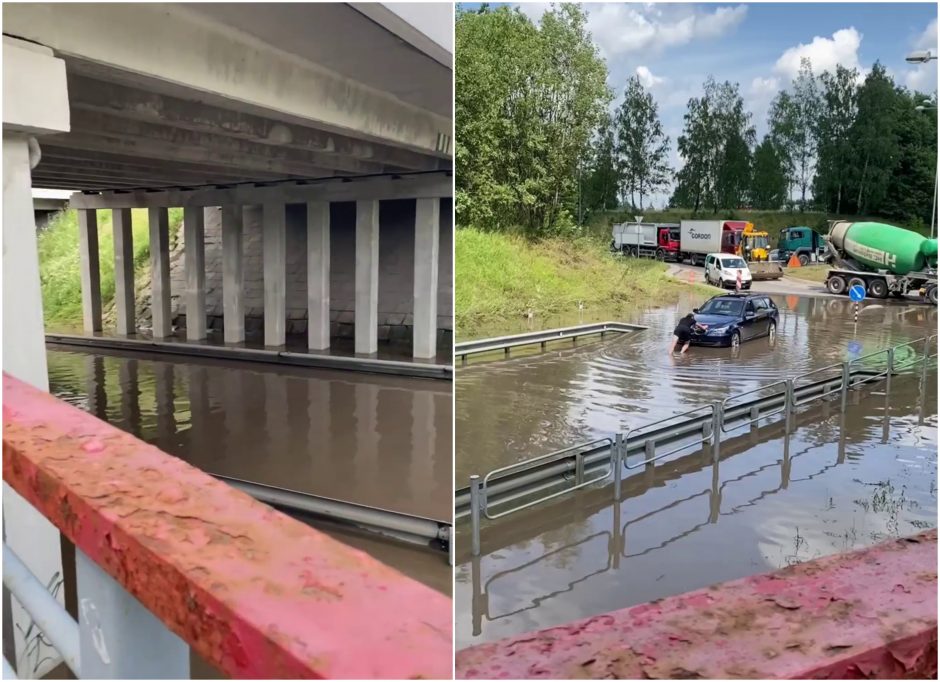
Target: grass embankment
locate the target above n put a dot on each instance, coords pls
(59, 269)
(810, 273)
(501, 277)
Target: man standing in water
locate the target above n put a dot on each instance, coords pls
(683, 333)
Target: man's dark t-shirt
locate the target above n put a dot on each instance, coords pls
(684, 329)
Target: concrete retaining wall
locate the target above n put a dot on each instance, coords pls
(396, 271)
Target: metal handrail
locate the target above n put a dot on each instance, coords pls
(579, 475)
(788, 392)
(651, 444)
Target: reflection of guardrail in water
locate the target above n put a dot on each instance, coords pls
(465, 349)
(545, 473)
(617, 548)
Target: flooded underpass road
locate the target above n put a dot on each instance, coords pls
(376, 440)
(833, 483)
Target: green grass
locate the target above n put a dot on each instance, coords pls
(501, 276)
(810, 273)
(59, 261)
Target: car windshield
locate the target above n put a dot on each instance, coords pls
(729, 263)
(722, 306)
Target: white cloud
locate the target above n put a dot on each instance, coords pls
(647, 79)
(625, 28)
(824, 53)
(761, 87)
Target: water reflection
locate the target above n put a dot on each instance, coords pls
(379, 441)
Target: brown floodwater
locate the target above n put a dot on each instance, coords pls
(376, 440)
(832, 483)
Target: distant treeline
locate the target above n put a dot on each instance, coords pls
(538, 148)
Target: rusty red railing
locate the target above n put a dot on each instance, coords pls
(860, 615)
(256, 593)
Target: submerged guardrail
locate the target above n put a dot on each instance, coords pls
(505, 344)
(595, 461)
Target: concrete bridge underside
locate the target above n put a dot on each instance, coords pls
(240, 108)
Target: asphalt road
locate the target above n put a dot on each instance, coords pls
(785, 285)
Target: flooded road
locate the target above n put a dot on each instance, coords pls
(835, 482)
(381, 441)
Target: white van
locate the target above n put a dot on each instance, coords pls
(723, 270)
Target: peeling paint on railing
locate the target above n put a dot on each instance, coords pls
(859, 615)
(256, 593)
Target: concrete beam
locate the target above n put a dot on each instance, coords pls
(35, 94)
(267, 80)
(107, 125)
(92, 95)
(123, 271)
(274, 256)
(367, 277)
(194, 252)
(233, 275)
(159, 225)
(409, 186)
(90, 270)
(318, 275)
(427, 256)
(167, 151)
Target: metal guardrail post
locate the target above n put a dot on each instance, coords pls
(475, 514)
(616, 464)
(717, 416)
(650, 452)
(118, 637)
(578, 468)
(790, 408)
(890, 371)
(846, 379)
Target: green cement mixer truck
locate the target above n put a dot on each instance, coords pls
(882, 258)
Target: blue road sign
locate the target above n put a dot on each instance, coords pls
(855, 347)
(857, 293)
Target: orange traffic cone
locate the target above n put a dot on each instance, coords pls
(794, 262)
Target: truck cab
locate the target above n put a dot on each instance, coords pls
(803, 242)
(667, 242)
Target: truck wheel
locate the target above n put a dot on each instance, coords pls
(836, 285)
(932, 294)
(858, 281)
(804, 259)
(660, 255)
(634, 251)
(878, 288)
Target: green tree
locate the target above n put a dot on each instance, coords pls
(692, 180)
(642, 147)
(793, 121)
(781, 120)
(910, 190)
(528, 100)
(874, 141)
(834, 145)
(769, 178)
(601, 185)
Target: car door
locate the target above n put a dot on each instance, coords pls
(750, 324)
(762, 324)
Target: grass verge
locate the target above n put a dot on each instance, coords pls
(809, 273)
(502, 276)
(59, 269)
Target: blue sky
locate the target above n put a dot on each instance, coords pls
(674, 47)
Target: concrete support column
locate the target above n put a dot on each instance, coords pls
(274, 247)
(427, 248)
(123, 270)
(233, 275)
(162, 319)
(194, 241)
(90, 269)
(318, 275)
(367, 276)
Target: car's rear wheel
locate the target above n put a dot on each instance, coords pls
(735, 339)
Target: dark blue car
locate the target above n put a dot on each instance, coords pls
(729, 319)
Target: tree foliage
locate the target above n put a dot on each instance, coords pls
(769, 183)
(642, 146)
(528, 100)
